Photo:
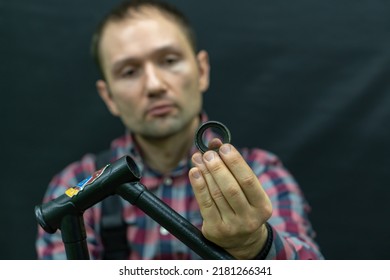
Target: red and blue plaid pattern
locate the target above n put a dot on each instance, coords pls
(293, 234)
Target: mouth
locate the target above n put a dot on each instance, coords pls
(160, 110)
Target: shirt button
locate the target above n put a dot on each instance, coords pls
(163, 231)
(168, 181)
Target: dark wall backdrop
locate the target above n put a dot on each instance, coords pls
(307, 80)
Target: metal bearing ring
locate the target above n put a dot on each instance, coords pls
(225, 134)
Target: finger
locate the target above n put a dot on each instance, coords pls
(215, 144)
(208, 209)
(213, 188)
(227, 183)
(244, 175)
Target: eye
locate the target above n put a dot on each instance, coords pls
(128, 72)
(170, 60)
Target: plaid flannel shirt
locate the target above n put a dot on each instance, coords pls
(293, 236)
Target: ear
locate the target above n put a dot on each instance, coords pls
(204, 70)
(106, 95)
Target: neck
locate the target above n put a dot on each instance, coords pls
(163, 155)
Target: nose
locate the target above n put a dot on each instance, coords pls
(154, 80)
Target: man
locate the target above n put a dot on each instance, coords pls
(154, 80)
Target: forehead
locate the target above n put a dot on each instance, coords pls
(141, 33)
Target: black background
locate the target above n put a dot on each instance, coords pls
(307, 80)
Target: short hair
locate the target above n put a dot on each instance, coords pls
(127, 9)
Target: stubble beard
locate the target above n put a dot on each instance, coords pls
(163, 128)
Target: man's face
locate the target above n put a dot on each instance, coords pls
(154, 81)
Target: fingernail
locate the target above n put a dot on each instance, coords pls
(196, 174)
(225, 149)
(197, 159)
(209, 156)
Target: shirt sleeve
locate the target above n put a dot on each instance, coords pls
(293, 235)
(50, 246)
